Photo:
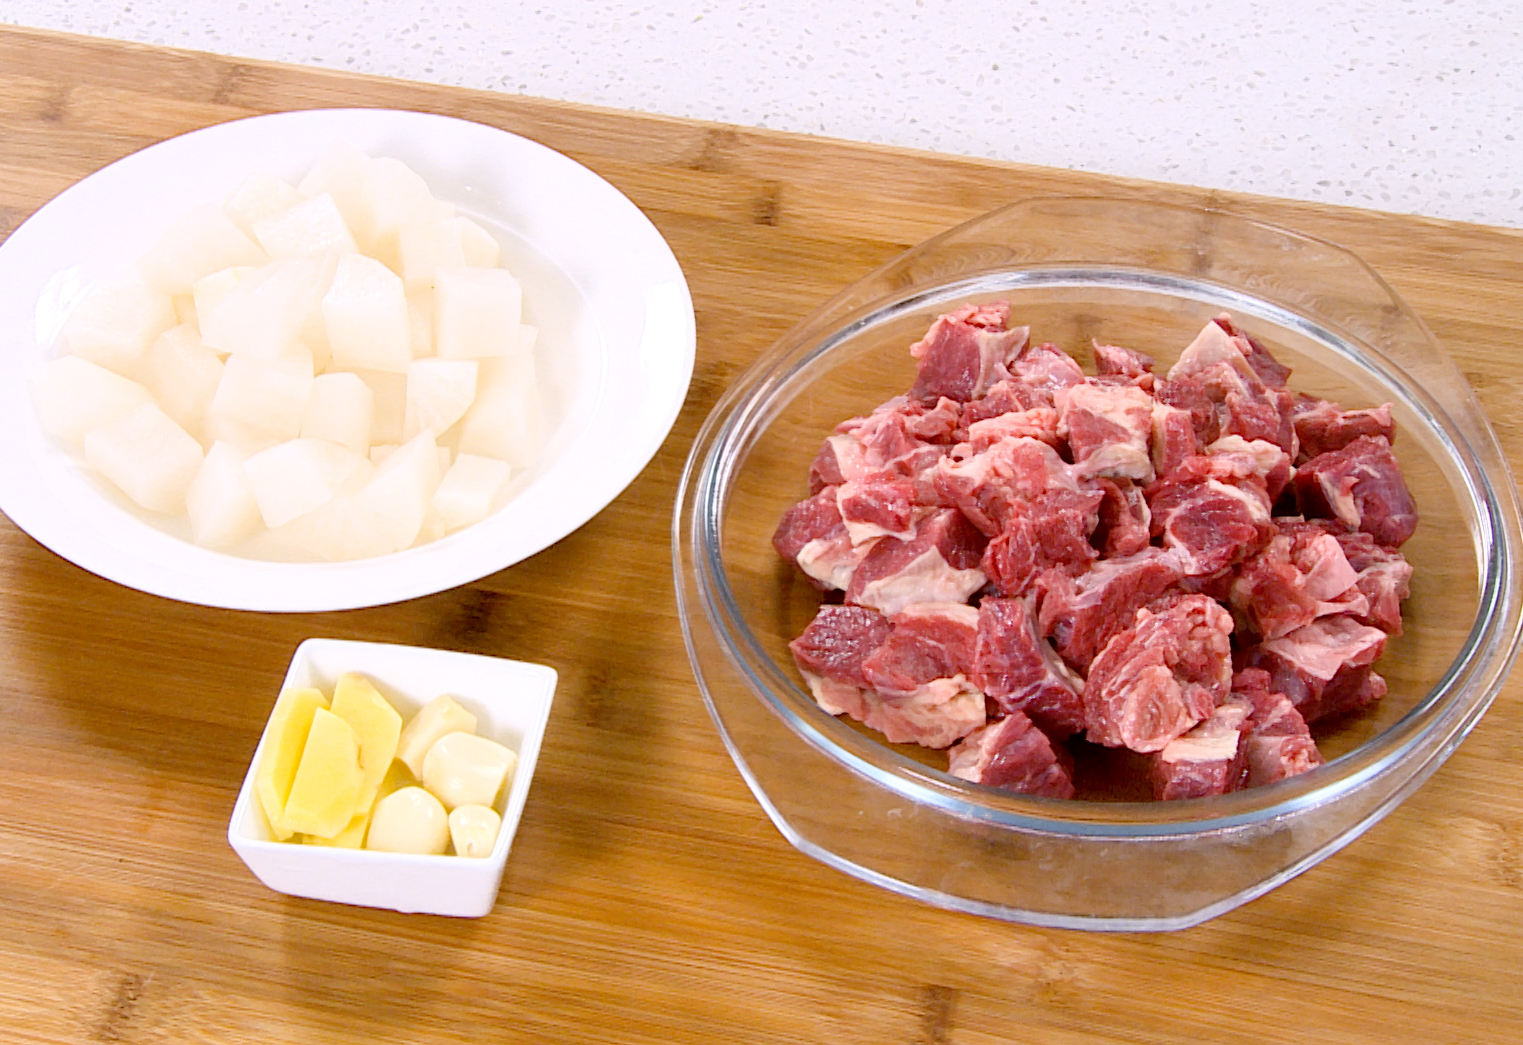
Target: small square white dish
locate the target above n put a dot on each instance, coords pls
(511, 700)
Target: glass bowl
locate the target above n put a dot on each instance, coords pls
(1147, 276)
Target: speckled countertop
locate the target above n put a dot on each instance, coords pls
(1412, 106)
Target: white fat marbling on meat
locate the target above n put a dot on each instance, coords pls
(833, 560)
(927, 578)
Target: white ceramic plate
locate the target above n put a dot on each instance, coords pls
(615, 351)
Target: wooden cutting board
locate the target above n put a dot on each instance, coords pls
(648, 898)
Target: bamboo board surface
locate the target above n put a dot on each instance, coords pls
(648, 899)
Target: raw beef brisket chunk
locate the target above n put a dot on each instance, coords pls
(1012, 754)
(1031, 558)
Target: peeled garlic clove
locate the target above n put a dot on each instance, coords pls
(463, 769)
(474, 829)
(409, 821)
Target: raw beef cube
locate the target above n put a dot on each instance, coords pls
(1324, 667)
(934, 424)
(1125, 519)
(939, 564)
(1295, 579)
(1322, 426)
(1216, 379)
(1190, 396)
(1270, 370)
(963, 358)
(884, 435)
(1081, 614)
(1124, 362)
(1047, 368)
(918, 467)
(1008, 395)
(1017, 669)
(984, 486)
(930, 640)
(1382, 578)
(1277, 743)
(993, 316)
(1233, 459)
(877, 506)
(841, 458)
(934, 715)
(818, 517)
(1037, 423)
(1108, 428)
(1208, 760)
(1360, 485)
(1209, 524)
(838, 640)
(1173, 438)
(1155, 680)
(1011, 561)
(1012, 754)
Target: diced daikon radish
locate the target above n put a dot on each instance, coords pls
(185, 309)
(72, 395)
(147, 456)
(341, 410)
(262, 195)
(380, 451)
(182, 374)
(203, 241)
(261, 400)
(439, 391)
(263, 315)
(342, 172)
(504, 421)
(208, 291)
(311, 228)
(420, 323)
(220, 501)
(481, 247)
(384, 516)
(116, 322)
(468, 492)
(476, 312)
(390, 404)
(395, 195)
(292, 478)
(427, 246)
(366, 314)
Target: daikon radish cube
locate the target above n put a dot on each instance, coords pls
(220, 502)
(395, 196)
(366, 314)
(72, 396)
(438, 717)
(265, 312)
(261, 400)
(342, 172)
(390, 404)
(481, 247)
(468, 492)
(359, 703)
(312, 227)
(292, 478)
(183, 375)
(203, 241)
(439, 391)
(326, 789)
(396, 498)
(208, 291)
(285, 738)
(185, 309)
(262, 195)
(341, 410)
(504, 422)
(420, 321)
(146, 456)
(380, 451)
(476, 312)
(426, 246)
(116, 322)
